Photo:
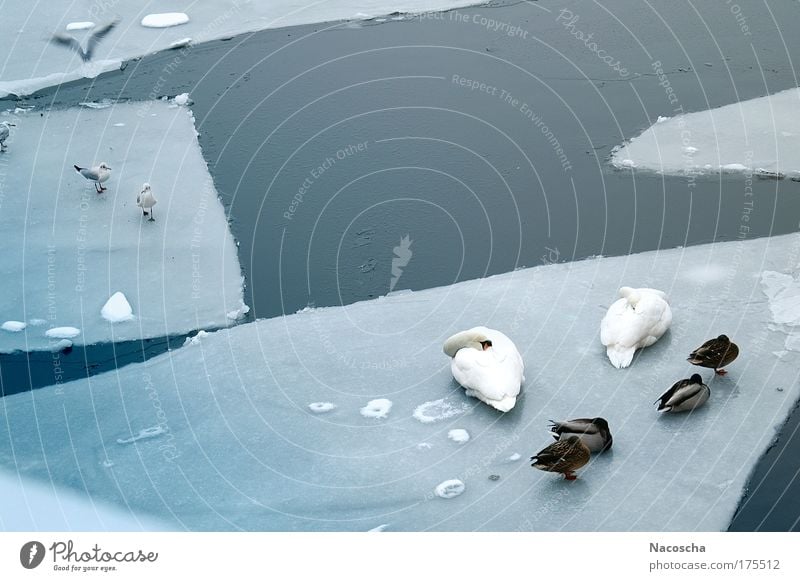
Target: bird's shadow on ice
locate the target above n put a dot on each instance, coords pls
(655, 352)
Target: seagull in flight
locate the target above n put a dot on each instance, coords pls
(98, 33)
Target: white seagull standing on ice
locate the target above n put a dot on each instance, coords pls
(636, 320)
(146, 200)
(4, 133)
(487, 364)
(98, 174)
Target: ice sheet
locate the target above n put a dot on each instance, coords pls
(33, 63)
(29, 506)
(219, 434)
(69, 249)
(758, 134)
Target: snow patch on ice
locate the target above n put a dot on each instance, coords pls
(458, 435)
(182, 99)
(705, 273)
(195, 340)
(783, 292)
(321, 407)
(514, 457)
(117, 309)
(378, 529)
(13, 326)
(62, 333)
(165, 19)
(450, 488)
(80, 25)
(377, 408)
(59, 346)
(424, 446)
(439, 409)
(239, 313)
(180, 43)
(143, 434)
(101, 104)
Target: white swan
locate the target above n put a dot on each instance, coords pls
(487, 364)
(636, 320)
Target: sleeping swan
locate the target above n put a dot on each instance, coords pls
(636, 320)
(487, 364)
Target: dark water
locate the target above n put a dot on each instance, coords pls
(330, 144)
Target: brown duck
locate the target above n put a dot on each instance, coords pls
(715, 354)
(564, 457)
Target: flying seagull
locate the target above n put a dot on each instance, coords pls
(96, 36)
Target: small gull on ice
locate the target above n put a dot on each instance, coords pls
(146, 200)
(97, 174)
(4, 133)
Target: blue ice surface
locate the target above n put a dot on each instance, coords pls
(69, 249)
(218, 435)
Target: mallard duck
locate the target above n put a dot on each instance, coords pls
(685, 395)
(638, 319)
(487, 364)
(593, 432)
(564, 457)
(715, 354)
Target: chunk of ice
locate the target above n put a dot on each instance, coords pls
(458, 435)
(13, 326)
(62, 333)
(239, 434)
(80, 25)
(734, 138)
(165, 19)
(117, 309)
(181, 271)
